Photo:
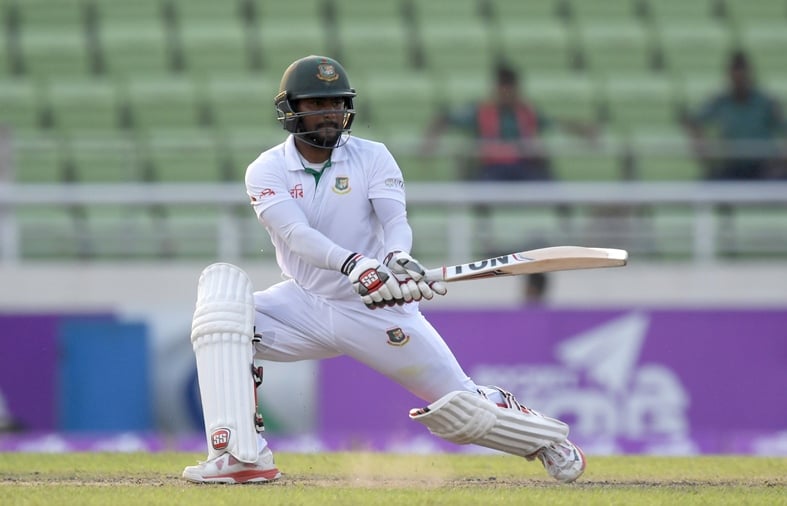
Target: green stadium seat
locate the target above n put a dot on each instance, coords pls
(458, 90)
(564, 96)
(397, 102)
(371, 13)
(463, 47)
(664, 155)
(575, 159)
(214, 48)
(120, 231)
(104, 157)
(616, 46)
(768, 11)
(84, 103)
(135, 50)
(55, 52)
(766, 44)
(611, 11)
(49, 233)
(637, 100)
(290, 30)
(694, 46)
(243, 100)
(205, 12)
(245, 146)
(52, 37)
(670, 11)
(285, 40)
(536, 46)
(697, 88)
(46, 14)
(776, 85)
(164, 102)
(193, 231)
(180, 155)
(436, 12)
(525, 12)
(37, 157)
(369, 49)
(22, 102)
(139, 12)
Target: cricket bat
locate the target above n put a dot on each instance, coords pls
(555, 258)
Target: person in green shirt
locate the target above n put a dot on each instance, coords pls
(737, 133)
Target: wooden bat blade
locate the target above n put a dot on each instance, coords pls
(555, 258)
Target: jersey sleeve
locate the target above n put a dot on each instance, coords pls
(386, 180)
(266, 184)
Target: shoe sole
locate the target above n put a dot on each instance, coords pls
(240, 477)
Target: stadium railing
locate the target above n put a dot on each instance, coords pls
(617, 214)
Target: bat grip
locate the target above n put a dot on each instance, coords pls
(437, 274)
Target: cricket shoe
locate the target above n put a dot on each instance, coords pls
(227, 469)
(564, 461)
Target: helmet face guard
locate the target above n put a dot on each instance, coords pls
(291, 120)
(314, 77)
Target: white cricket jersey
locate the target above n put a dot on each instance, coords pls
(338, 205)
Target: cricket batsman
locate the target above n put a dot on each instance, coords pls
(334, 207)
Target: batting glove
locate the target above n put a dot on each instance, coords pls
(372, 281)
(410, 274)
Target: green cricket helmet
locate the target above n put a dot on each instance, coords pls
(313, 77)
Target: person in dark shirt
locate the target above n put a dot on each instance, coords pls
(737, 133)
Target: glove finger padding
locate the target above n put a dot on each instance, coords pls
(403, 266)
(376, 285)
(402, 263)
(438, 287)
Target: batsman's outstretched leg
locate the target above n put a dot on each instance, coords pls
(493, 418)
(222, 334)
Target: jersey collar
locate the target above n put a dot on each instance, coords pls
(293, 160)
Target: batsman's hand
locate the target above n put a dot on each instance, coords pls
(410, 274)
(373, 281)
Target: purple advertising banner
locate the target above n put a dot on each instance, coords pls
(28, 367)
(638, 381)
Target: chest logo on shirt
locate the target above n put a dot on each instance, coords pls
(397, 337)
(341, 185)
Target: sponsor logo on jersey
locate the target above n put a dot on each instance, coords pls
(266, 192)
(296, 191)
(397, 337)
(393, 182)
(327, 72)
(342, 184)
(220, 439)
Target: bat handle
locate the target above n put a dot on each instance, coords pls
(437, 274)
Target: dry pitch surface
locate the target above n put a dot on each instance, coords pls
(363, 478)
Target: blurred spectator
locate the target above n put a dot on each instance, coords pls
(535, 288)
(508, 129)
(746, 124)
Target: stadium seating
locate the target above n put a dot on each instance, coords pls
(81, 75)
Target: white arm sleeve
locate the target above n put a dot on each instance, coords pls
(289, 222)
(396, 229)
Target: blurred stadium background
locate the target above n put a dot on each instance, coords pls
(126, 126)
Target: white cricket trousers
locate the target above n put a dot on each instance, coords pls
(397, 342)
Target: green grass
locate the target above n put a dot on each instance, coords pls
(367, 479)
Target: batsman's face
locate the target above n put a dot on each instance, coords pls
(324, 117)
